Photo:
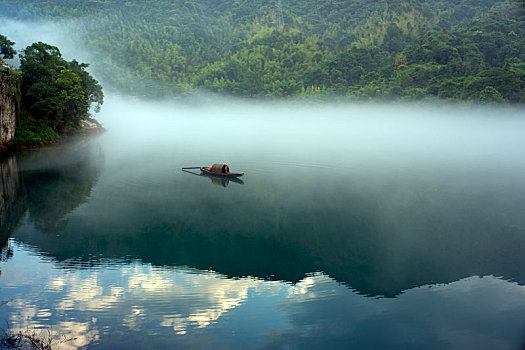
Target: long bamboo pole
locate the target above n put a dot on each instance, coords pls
(191, 167)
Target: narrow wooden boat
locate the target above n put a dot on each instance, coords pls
(217, 179)
(220, 170)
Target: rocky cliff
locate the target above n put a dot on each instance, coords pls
(9, 97)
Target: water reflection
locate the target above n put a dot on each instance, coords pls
(300, 255)
(53, 191)
(47, 184)
(138, 305)
(380, 236)
(12, 199)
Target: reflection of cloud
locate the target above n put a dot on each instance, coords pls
(57, 284)
(134, 297)
(177, 322)
(66, 335)
(157, 307)
(132, 320)
(476, 312)
(206, 297)
(140, 281)
(84, 293)
(302, 288)
(224, 295)
(26, 311)
(29, 318)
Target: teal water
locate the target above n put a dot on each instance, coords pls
(354, 226)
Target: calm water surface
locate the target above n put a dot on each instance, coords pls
(354, 226)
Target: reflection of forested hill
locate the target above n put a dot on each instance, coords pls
(465, 49)
(52, 192)
(378, 242)
(48, 184)
(12, 202)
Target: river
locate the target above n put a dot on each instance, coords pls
(366, 226)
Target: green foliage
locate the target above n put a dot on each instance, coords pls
(90, 87)
(490, 95)
(7, 47)
(52, 95)
(11, 81)
(366, 49)
(56, 92)
(31, 131)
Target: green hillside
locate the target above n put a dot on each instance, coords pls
(459, 50)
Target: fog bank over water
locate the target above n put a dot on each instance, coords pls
(322, 134)
(436, 129)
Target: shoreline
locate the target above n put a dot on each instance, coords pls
(88, 128)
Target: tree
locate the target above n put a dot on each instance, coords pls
(90, 85)
(7, 47)
(234, 46)
(54, 91)
(489, 95)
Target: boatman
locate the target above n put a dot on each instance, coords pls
(225, 168)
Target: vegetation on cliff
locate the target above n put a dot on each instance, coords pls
(456, 50)
(10, 80)
(56, 95)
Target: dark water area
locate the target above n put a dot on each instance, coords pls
(354, 226)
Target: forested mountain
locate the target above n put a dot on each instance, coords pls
(459, 49)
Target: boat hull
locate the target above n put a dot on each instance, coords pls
(207, 172)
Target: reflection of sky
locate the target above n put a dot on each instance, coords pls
(139, 305)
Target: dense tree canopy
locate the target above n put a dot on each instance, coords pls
(56, 94)
(55, 90)
(7, 47)
(459, 50)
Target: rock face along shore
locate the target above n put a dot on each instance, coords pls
(8, 94)
(90, 126)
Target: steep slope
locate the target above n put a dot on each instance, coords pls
(362, 49)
